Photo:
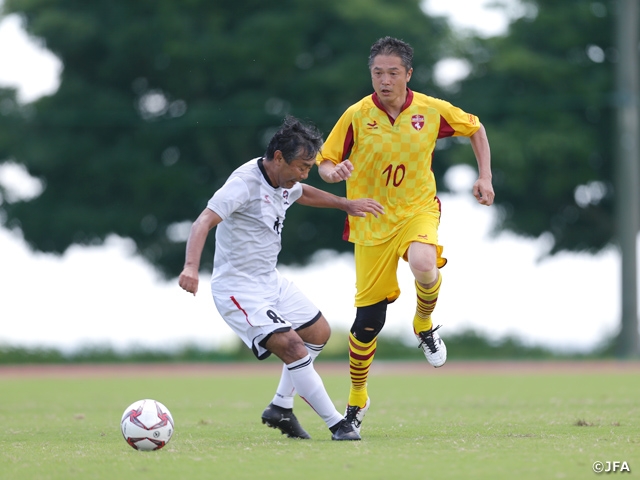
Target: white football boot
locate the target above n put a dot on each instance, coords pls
(434, 348)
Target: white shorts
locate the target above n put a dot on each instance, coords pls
(255, 318)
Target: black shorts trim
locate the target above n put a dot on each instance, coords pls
(263, 342)
(310, 322)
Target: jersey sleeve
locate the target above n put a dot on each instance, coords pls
(229, 198)
(295, 193)
(456, 122)
(338, 145)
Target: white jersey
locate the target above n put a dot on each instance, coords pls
(248, 240)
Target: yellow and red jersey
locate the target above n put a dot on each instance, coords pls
(392, 159)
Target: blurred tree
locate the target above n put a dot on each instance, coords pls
(545, 93)
(558, 96)
(160, 100)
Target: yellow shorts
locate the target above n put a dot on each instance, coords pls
(377, 266)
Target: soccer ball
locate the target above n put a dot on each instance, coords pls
(147, 425)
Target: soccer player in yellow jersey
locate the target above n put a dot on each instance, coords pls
(383, 146)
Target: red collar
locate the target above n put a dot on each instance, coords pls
(407, 102)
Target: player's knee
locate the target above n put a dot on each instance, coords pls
(423, 261)
(287, 346)
(318, 333)
(427, 278)
(369, 321)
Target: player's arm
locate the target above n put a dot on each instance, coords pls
(333, 173)
(188, 279)
(483, 188)
(332, 161)
(314, 197)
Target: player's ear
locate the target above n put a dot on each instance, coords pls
(278, 157)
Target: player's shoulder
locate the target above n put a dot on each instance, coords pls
(362, 105)
(244, 179)
(430, 101)
(248, 171)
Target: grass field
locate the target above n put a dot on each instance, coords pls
(481, 425)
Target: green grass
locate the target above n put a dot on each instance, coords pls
(419, 427)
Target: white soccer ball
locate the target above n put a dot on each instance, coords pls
(147, 425)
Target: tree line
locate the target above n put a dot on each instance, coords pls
(159, 101)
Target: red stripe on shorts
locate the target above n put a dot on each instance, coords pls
(233, 299)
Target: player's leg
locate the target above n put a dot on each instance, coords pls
(279, 413)
(377, 286)
(265, 331)
(362, 348)
(289, 347)
(312, 331)
(315, 337)
(423, 262)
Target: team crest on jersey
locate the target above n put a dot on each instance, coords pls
(285, 195)
(417, 121)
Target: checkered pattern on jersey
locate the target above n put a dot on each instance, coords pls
(392, 161)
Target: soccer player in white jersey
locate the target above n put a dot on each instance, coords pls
(264, 309)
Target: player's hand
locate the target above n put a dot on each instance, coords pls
(188, 280)
(483, 191)
(362, 206)
(341, 172)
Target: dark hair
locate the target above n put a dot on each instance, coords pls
(392, 46)
(295, 140)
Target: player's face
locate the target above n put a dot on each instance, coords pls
(390, 78)
(294, 172)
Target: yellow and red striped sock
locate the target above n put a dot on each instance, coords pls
(426, 303)
(360, 359)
